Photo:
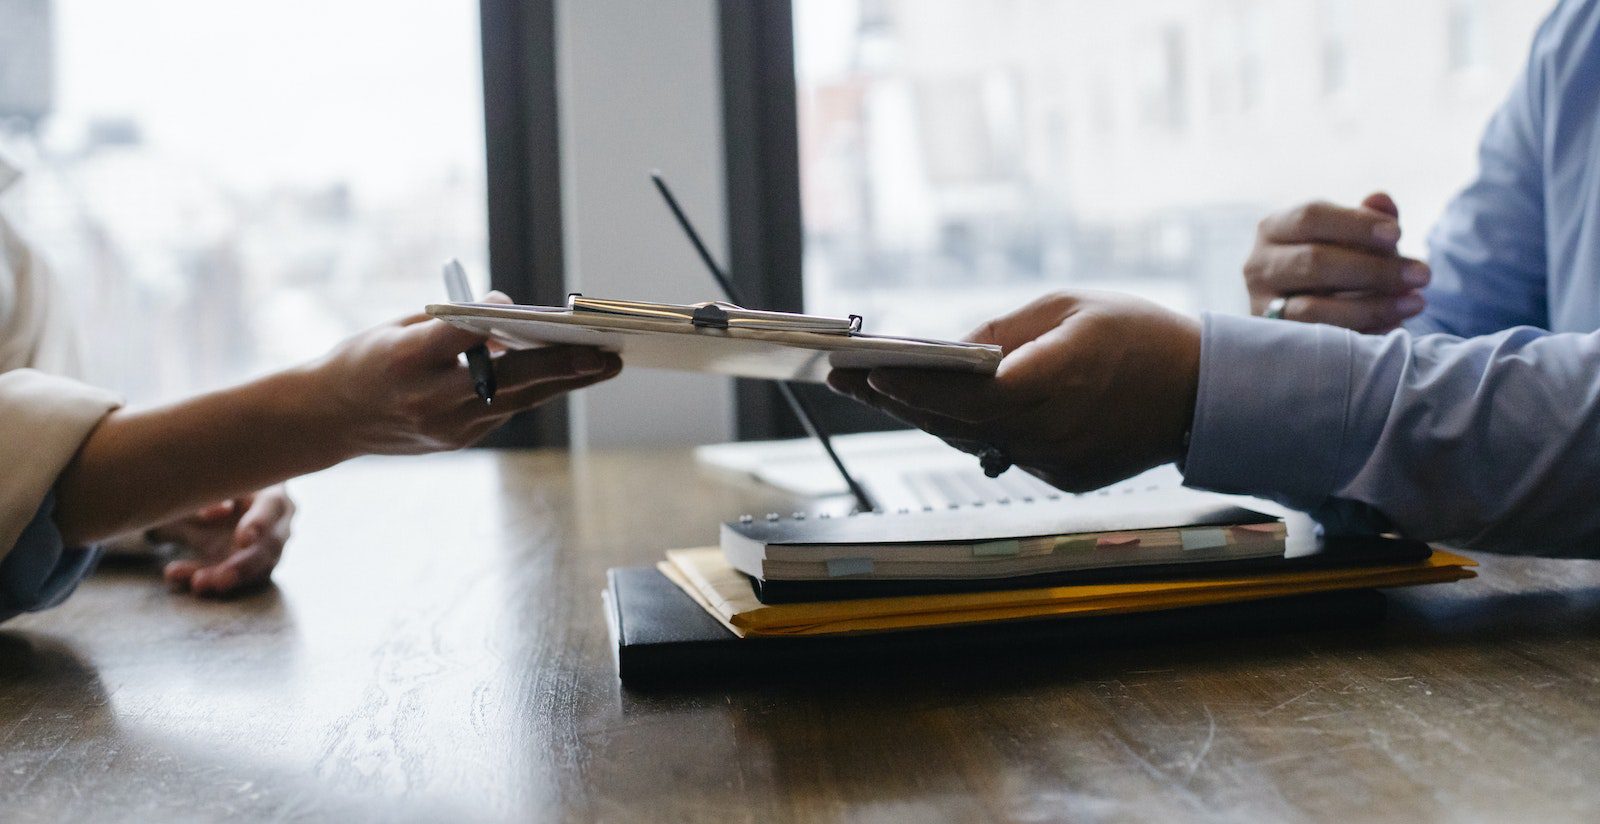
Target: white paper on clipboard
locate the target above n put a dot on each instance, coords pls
(772, 354)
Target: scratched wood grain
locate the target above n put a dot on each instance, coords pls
(434, 651)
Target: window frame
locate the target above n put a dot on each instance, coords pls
(766, 235)
(522, 145)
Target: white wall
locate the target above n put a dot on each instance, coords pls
(640, 89)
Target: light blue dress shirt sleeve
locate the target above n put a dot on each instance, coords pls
(1488, 251)
(1490, 442)
(1521, 244)
(41, 571)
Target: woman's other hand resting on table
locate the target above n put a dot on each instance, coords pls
(234, 545)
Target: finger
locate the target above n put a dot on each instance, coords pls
(1324, 268)
(269, 517)
(532, 394)
(552, 363)
(495, 296)
(854, 383)
(958, 396)
(1363, 313)
(1012, 330)
(1322, 222)
(933, 423)
(848, 382)
(243, 569)
(259, 541)
(216, 511)
(177, 574)
(438, 342)
(496, 348)
(1381, 202)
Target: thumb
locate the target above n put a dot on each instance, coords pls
(1381, 202)
(497, 296)
(441, 342)
(270, 513)
(216, 511)
(1011, 331)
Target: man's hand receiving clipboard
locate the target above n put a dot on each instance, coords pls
(1095, 387)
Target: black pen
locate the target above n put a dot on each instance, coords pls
(478, 363)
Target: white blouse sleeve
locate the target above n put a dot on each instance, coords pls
(43, 421)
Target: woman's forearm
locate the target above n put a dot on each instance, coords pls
(140, 467)
(398, 388)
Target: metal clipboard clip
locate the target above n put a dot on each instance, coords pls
(716, 314)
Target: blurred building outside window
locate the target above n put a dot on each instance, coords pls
(960, 158)
(229, 188)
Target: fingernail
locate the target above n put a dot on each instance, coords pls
(1415, 274)
(1409, 305)
(587, 362)
(1386, 232)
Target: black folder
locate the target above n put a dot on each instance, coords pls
(661, 637)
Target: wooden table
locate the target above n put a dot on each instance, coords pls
(434, 650)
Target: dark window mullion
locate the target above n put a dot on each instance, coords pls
(523, 145)
(765, 235)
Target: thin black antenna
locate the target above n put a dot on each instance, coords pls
(802, 410)
(699, 245)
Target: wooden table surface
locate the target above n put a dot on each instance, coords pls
(434, 650)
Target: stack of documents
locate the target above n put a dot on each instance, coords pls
(1063, 557)
(945, 586)
(727, 595)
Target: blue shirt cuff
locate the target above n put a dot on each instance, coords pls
(41, 570)
(1269, 417)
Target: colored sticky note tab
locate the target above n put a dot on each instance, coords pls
(1204, 539)
(1074, 543)
(841, 567)
(1118, 541)
(991, 549)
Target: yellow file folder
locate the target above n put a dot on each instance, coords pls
(725, 593)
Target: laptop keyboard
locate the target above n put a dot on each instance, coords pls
(939, 488)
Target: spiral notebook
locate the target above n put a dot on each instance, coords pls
(1004, 539)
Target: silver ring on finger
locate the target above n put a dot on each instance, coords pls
(1275, 308)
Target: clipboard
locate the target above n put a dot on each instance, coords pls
(715, 337)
